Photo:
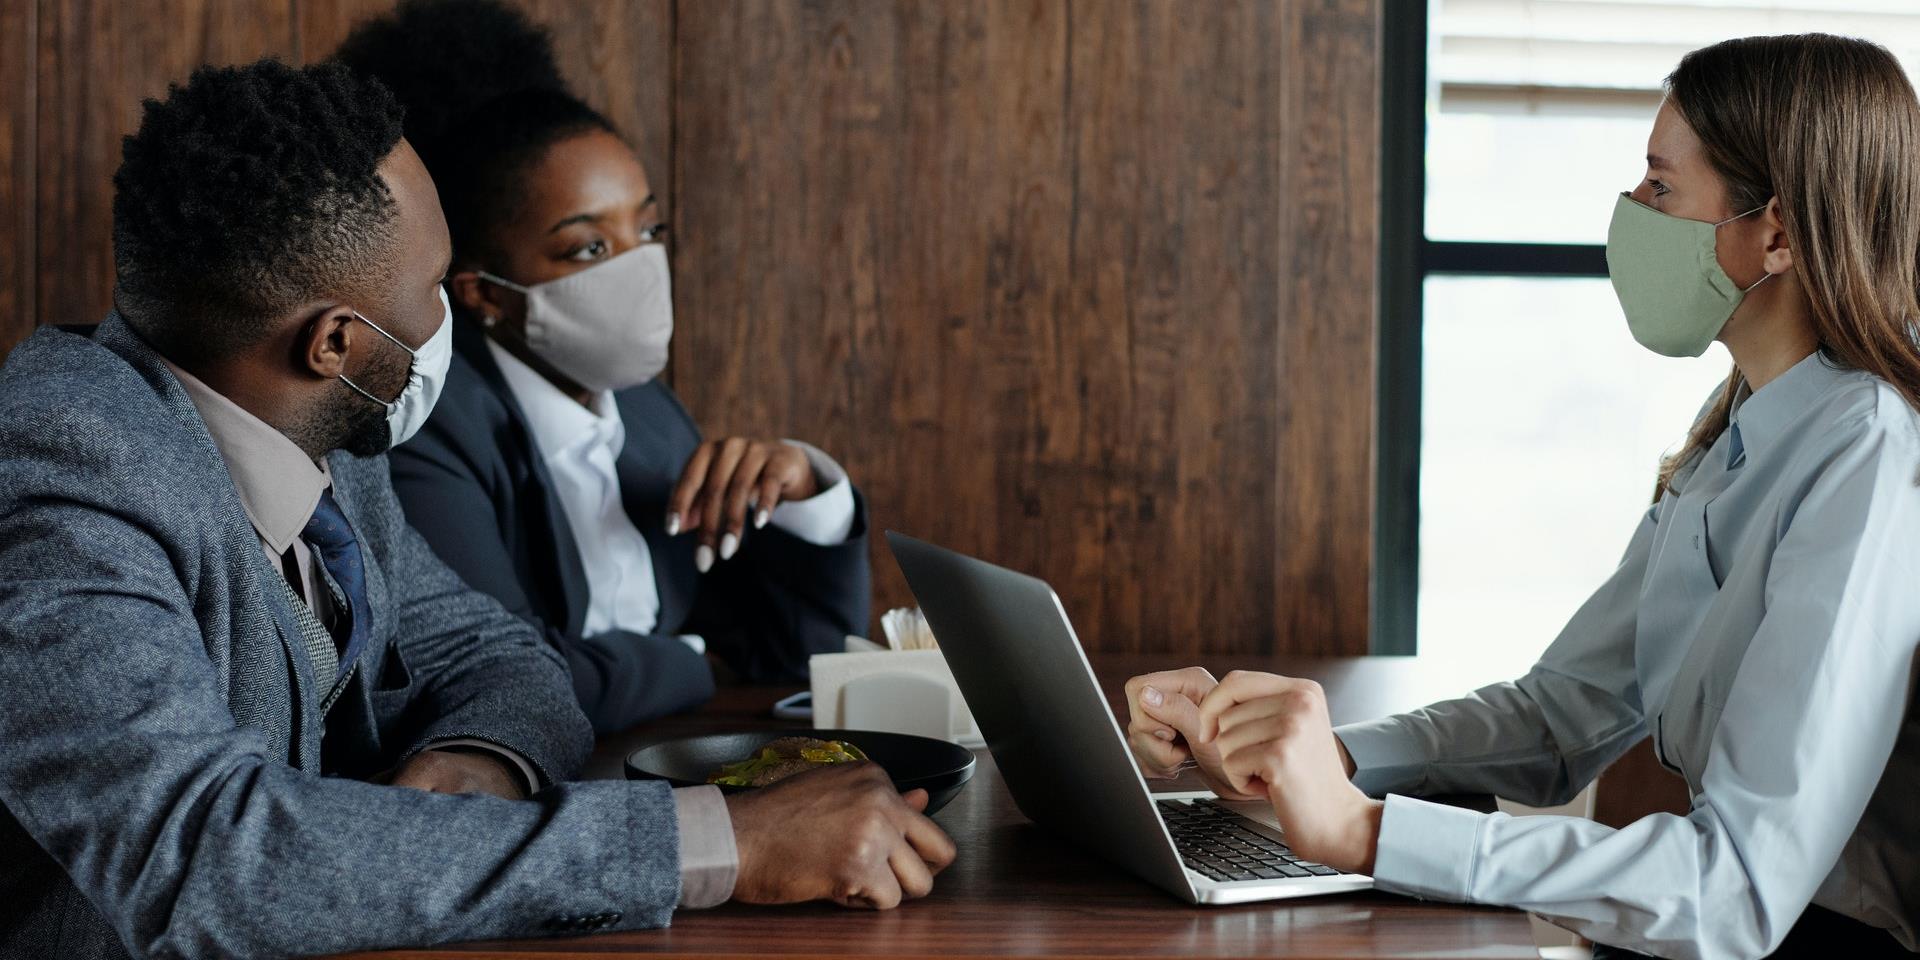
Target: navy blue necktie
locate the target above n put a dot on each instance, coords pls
(330, 536)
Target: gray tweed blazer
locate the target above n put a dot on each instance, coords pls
(168, 784)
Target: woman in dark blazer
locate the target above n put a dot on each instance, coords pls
(556, 473)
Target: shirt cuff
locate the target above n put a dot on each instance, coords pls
(826, 518)
(709, 861)
(527, 773)
(1385, 758)
(1427, 850)
(694, 642)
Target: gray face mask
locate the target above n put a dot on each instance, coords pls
(606, 327)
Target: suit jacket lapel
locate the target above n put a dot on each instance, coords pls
(251, 688)
(648, 468)
(471, 344)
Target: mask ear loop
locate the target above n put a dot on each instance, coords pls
(510, 285)
(488, 320)
(411, 352)
(1737, 216)
(1765, 276)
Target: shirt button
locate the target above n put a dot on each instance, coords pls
(1696, 541)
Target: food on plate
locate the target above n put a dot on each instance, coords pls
(783, 758)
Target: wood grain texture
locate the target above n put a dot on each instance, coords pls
(18, 148)
(1015, 891)
(1329, 185)
(97, 60)
(1081, 286)
(1040, 275)
(871, 202)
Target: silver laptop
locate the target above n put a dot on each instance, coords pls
(1062, 753)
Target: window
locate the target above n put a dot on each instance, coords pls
(1511, 126)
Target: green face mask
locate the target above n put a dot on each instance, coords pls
(1668, 278)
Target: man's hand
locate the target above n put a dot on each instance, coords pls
(837, 833)
(1273, 736)
(1163, 728)
(460, 770)
(722, 479)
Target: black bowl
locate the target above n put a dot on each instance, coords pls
(922, 763)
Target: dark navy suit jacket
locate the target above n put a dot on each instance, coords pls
(474, 483)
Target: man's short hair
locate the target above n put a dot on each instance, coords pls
(246, 192)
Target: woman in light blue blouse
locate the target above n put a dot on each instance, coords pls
(1762, 626)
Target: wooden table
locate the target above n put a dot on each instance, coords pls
(1015, 891)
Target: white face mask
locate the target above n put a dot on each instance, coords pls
(607, 327)
(426, 374)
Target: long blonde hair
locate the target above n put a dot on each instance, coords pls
(1830, 126)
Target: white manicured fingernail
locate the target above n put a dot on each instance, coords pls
(1151, 697)
(703, 558)
(673, 524)
(729, 545)
(760, 519)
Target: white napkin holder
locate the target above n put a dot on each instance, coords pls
(895, 691)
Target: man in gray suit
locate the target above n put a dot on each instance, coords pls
(244, 711)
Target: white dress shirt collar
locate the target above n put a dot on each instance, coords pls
(559, 423)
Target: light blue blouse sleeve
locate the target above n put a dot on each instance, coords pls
(1805, 735)
(1537, 740)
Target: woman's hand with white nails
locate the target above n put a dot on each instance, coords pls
(726, 478)
(1163, 728)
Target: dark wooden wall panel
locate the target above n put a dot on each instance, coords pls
(874, 200)
(1039, 274)
(97, 59)
(1175, 309)
(1083, 286)
(18, 146)
(1328, 202)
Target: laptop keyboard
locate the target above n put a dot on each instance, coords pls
(1216, 843)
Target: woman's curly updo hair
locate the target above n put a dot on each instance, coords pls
(484, 101)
